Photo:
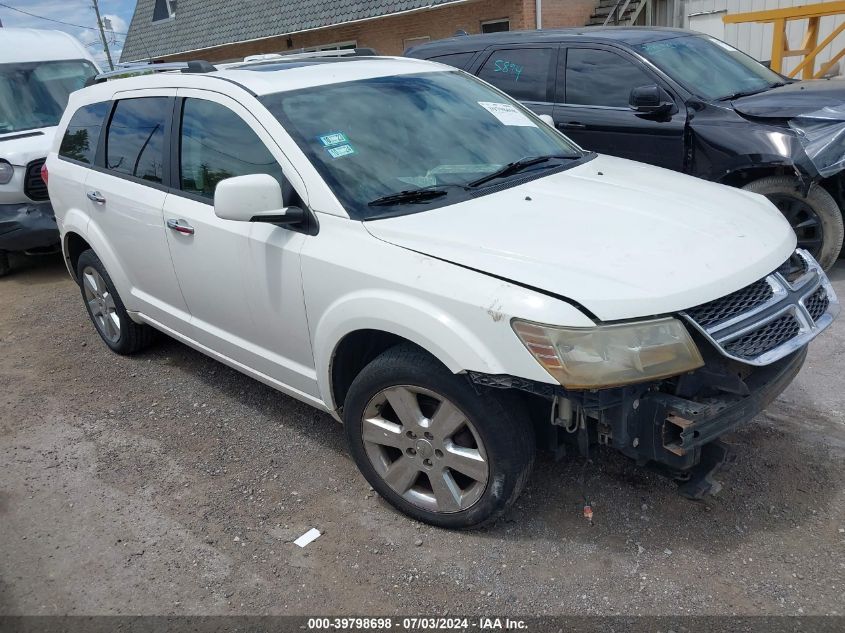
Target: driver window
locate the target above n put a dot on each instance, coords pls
(601, 78)
(217, 144)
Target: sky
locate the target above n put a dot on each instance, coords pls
(75, 12)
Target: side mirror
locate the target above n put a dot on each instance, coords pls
(254, 198)
(650, 100)
(548, 120)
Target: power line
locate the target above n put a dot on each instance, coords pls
(41, 17)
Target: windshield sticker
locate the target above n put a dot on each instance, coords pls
(340, 150)
(656, 47)
(334, 138)
(505, 66)
(507, 114)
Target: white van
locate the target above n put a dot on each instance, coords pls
(38, 71)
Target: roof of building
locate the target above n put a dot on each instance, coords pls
(200, 24)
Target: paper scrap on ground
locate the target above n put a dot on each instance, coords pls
(507, 114)
(308, 537)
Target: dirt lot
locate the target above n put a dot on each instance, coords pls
(167, 483)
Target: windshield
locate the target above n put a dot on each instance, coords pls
(372, 139)
(35, 94)
(709, 68)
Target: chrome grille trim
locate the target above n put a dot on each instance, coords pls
(789, 302)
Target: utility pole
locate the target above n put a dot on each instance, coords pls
(102, 34)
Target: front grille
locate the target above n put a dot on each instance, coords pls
(772, 317)
(817, 304)
(765, 339)
(733, 304)
(33, 186)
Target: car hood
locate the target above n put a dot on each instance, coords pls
(622, 239)
(19, 148)
(792, 100)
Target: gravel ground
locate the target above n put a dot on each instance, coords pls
(169, 484)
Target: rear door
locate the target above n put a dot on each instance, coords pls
(241, 280)
(593, 90)
(126, 191)
(526, 73)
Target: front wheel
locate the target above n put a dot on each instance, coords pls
(816, 218)
(5, 267)
(431, 445)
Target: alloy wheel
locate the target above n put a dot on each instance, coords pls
(101, 304)
(425, 448)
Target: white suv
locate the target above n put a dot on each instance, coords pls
(406, 248)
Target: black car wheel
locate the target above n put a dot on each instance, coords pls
(5, 267)
(816, 218)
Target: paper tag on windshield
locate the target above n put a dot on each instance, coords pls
(507, 114)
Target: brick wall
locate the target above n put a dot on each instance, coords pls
(558, 13)
(388, 35)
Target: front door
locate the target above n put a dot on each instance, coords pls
(593, 90)
(241, 280)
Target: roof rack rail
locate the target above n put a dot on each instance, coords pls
(270, 58)
(198, 66)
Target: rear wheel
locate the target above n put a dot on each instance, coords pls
(106, 309)
(5, 267)
(431, 445)
(816, 218)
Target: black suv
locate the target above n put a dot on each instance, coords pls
(681, 100)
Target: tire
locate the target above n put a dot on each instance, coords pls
(447, 427)
(5, 266)
(106, 309)
(822, 232)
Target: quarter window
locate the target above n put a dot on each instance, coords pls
(135, 141)
(83, 133)
(523, 73)
(601, 78)
(217, 144)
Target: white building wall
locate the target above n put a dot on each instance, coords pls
(754, 39)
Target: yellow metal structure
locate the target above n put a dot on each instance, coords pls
(810, 46)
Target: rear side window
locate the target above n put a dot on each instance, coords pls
(217, 144)
(458, 60)
(83, 133)
(135, 141)
(601, 78)
(523, 73)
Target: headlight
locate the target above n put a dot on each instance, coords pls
(611, 355)
(6, 172)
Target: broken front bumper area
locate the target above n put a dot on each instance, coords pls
(28, 226)
(671, 430)
(672, 425)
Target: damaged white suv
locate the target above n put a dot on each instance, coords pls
(406, 248)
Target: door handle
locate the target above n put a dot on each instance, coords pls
(572, 125)
(180, 226)
(96, 196)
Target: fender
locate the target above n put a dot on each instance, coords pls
(442, 334)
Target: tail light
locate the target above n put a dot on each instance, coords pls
(44, 173)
